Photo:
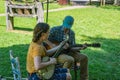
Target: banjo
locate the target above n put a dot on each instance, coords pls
(47, 72)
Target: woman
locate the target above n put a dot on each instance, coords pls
(37, 51)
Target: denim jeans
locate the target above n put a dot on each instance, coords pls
(59, 74)
(33, 76)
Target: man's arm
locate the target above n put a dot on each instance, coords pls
(63, 45)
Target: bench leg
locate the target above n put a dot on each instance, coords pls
(10, 22)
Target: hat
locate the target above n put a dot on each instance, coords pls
(68, 22)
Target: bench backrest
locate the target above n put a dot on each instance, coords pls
(24, 9)
(15, 66)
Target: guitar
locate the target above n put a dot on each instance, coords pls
(96, 45)
(47, 72)
(77, 47)
(88, 45)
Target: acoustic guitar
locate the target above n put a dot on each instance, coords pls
(47, 72)
(80, 47)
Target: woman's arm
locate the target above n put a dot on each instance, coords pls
(51, 51)
(39, 64)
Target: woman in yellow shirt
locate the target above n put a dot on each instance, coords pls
(37, 51)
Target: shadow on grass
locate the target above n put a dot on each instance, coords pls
(19, 51)
(24, 29)
(102, 66)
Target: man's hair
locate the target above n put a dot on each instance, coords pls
(38, 30)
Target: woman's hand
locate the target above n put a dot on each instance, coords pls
(53, 61)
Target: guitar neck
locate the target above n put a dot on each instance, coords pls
(88, 45)
(57, 53)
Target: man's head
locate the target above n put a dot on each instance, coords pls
(68, 22)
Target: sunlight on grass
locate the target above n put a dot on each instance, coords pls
(2, 6)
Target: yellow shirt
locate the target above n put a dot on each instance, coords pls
(34, 50)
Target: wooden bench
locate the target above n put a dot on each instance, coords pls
(33, 9)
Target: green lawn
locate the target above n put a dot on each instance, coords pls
(91, 25)
(2, 6)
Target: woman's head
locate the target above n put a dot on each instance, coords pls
(41, 31)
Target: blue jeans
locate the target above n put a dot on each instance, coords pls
(59, 74)
(33, 76)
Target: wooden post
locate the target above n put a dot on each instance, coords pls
(100, 2)
(10, 22)
(69, 2)
(90, 2)
(115, 2)
(47, 11)
(40, 13)
(9, 19)
(103, 2)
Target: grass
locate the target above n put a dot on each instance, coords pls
(2, 6)
(54, 6)
(100, 24)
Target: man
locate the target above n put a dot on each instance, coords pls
(58, 34)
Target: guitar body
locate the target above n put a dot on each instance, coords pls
(47, 72)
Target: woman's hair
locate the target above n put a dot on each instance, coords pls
(38, 30)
